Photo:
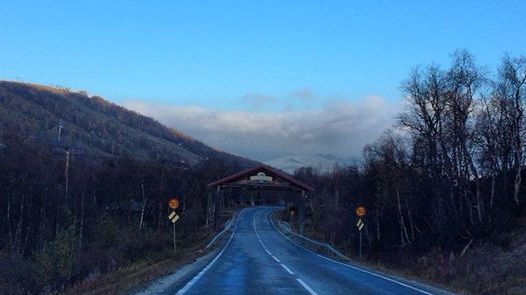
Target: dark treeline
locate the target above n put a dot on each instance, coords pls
(64, 221)
(449, 174)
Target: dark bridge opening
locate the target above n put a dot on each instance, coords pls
(261, 185)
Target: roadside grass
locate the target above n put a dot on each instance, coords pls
(487, 268)
(132, 278)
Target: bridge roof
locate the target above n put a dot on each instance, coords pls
(261, 168)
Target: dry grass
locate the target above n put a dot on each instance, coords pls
(139, 274)
(486, 268)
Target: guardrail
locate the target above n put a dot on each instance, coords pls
(227, 226)
(318, 246)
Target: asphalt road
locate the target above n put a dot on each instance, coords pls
(258, 259)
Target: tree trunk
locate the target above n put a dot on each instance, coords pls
(517, 184)
(403, 229)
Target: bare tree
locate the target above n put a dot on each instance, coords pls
(511, 91)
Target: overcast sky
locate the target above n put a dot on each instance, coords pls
(256, 78)
(339, 126)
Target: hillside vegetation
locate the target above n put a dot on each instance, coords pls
(95, 202)
(96, 126)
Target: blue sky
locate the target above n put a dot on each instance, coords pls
(247, 56)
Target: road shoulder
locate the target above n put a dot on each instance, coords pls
(423, 287)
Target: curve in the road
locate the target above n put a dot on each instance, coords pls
(258, 259)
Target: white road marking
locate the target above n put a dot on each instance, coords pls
(304, 285)
(349, 266)
(286, 268)
(202, 272)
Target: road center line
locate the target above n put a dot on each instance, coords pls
(300, 281)
(347, 265)
(265, 248)
(286, 268)
(306, 287)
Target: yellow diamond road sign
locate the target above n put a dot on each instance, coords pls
(360, 224)
(173, 217)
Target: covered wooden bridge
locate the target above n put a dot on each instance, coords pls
(259, 185)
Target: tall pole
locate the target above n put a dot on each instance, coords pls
(208, 200)
(60, 126)
(66, 173)
(301, 209)
(360, 245)
(175, 245)
(360, 212)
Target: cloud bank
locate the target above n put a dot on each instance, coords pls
(338, 127)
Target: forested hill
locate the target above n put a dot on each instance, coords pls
(94, 126)
(66, 217)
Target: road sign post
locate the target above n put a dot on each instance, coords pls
(360, 245)
(173, 217)
(360, 212)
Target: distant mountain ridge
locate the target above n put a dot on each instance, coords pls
(101, 128)
(320, 162)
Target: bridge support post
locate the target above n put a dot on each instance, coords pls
(301, 209)
(209, 200)
(217, 205)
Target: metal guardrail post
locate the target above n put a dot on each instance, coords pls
(227, 226)
(329, 250)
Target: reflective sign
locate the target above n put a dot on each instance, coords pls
(360, 211)
(360, 224)
(173, 217)
(173, 203)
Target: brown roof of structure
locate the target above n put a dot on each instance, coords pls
(256, 169)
